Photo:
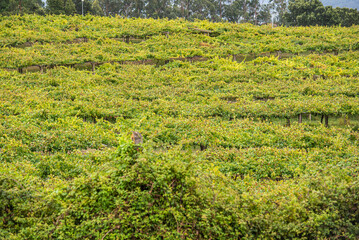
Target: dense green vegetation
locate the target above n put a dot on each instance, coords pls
(257, 12)
(224, 155)
(313, 12)
(56, 40)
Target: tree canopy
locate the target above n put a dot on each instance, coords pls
(21, 7)
(313, 12)
(284, 12)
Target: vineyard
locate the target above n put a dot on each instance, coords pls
(248, 132)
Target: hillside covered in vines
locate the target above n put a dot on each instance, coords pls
(248, 132)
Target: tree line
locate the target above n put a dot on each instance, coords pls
(282, 12)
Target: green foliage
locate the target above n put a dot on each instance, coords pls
(87, 6)
(8, 7)
(60, 7)
(311, 13)
(301, 12)
(81, 40)
(219, 159)
(96, 9)
(126, 148)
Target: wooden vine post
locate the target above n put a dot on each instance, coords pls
(93, 65)
(300, 118)
(137, 139)
(326, 121)
(288, 121)
(234, 59)
(346, 120)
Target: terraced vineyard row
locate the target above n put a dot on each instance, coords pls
(219, 87)
(96, 40)
(265, 148)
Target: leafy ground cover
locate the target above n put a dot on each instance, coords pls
(232, 149)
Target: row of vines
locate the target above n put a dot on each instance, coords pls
(71, 40)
